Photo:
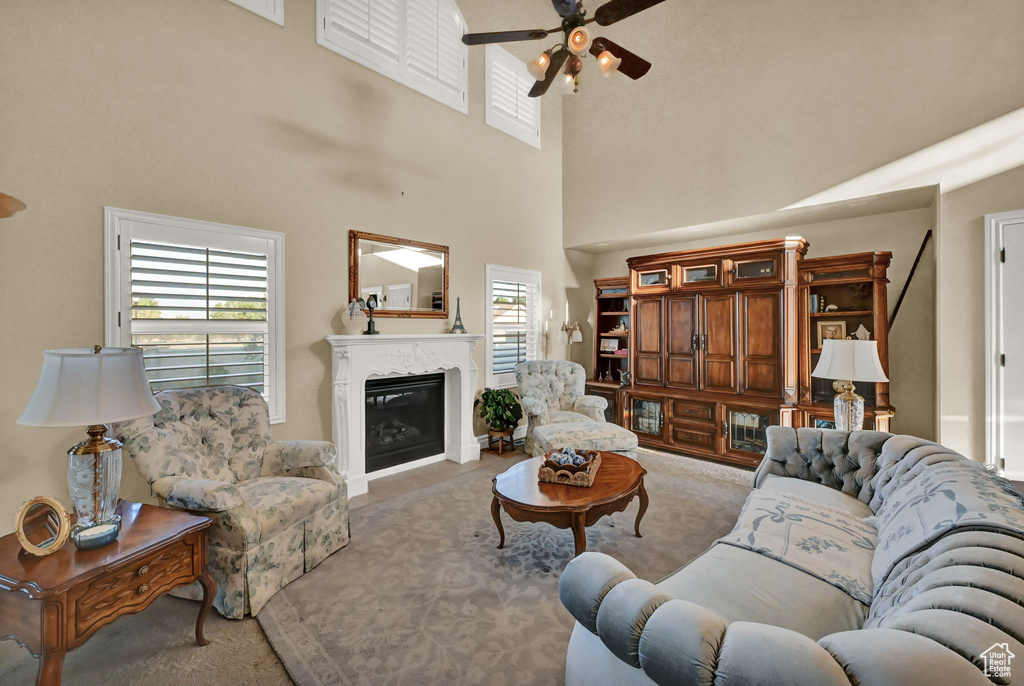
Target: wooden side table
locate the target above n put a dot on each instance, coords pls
(53, 604)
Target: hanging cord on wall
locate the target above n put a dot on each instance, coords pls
(910, 277)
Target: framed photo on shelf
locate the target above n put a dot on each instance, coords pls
(831, 330)
(609, 345)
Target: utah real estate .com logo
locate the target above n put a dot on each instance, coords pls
(997, 661)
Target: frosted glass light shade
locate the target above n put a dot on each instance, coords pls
(80, 387)
(849, 361)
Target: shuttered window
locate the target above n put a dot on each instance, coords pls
(509, 107)
(268, 9)
(415, 42)
(203, 301)
(513, 324)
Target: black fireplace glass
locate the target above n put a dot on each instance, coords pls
(404, 419)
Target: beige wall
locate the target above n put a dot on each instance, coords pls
(200, 109)
(753, 106)
(912, 338)
(961, 298)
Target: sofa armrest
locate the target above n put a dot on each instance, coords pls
(202, 495)
(282, 457)
(591, 405)
(536, 410)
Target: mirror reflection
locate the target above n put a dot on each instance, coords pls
(405, 276)
(41, 525)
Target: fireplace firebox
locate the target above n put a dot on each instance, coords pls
(404, 419)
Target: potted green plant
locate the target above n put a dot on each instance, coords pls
(500, 408)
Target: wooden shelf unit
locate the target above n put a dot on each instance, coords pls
(857, 285)
(612, 296)
(722, 343)
(713, 348)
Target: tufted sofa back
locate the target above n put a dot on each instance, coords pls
(555, 382)
(949, 560)
(215, 433)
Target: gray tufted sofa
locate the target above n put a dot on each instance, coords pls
(859, 558)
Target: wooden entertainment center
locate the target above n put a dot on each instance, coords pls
(722, 341)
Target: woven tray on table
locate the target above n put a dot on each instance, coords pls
(571, 475)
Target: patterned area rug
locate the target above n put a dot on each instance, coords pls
(422, 596)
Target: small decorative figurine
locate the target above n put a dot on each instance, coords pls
(458, 327)
(832, 308)
(371, 326)
(620, 328)
(862, 333)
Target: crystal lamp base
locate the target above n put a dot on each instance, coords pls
(94, 481)
(848, 407)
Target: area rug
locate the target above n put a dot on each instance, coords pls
(422, 595)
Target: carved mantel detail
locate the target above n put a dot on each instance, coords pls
(355, 359)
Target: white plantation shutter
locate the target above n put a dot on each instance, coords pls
(513, 325)
(509, 107)
(204, 301)
(268, 9)
(367, 31)
(415, 42)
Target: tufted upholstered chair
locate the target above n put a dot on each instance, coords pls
(552, 391)
(279, 508)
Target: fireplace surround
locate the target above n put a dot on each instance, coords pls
(359, 360)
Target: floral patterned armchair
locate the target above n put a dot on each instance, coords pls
(552, 391)
(279, 507)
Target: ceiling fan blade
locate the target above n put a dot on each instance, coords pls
(505, 36)
(632, 64)
(617, 10)
(566, 8)
(554, 71)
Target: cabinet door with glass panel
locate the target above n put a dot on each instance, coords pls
(646, 416)
(745, 429)
(754, 270)
(654, 279)
(700, 275)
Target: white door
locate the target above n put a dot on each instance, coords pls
(400, 296)
(1004, 240)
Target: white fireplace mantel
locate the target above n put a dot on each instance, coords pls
(355, 359)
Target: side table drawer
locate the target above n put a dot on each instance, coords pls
(135, 585)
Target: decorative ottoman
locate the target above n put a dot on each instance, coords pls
(604, 436)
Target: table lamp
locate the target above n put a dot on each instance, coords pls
(92, 387)
(847, 361)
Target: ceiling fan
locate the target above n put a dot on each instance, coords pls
(577, 42)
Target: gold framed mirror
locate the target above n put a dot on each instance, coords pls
(409, 278)
(42, 526)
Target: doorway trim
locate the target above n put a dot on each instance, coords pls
(994, 225)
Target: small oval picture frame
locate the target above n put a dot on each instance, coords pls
(42, 513)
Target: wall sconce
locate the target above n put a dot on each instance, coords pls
(570, 333)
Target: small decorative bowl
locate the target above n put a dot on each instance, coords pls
(570, 474)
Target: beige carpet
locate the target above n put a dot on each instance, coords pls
(414, 592)
(421, 595)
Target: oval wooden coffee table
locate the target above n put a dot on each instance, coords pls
(526, 499)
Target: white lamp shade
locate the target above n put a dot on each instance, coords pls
(577, 335)
(849, 361)
(79, 387)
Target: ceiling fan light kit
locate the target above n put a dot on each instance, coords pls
(576, 44)
(608, 63)
(539, 67)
